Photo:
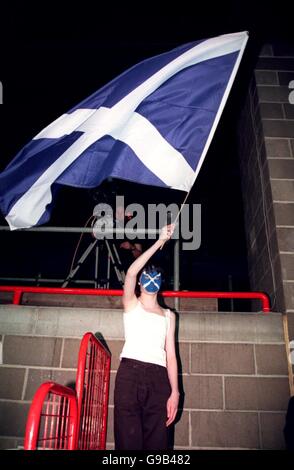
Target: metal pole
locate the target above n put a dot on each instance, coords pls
(96, 267)
(108, 270)
(177, 270)
(110, 231)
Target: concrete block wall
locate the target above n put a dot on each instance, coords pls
(274, 73)
(233, 371)
(260, 224)
(266, 143)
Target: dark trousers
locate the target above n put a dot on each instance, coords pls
(140, 396)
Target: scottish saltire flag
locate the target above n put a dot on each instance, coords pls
(152, 125)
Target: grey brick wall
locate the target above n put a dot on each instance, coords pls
(233, 372)
(273, 74)
(266, 144)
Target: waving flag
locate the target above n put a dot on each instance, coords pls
(152, 125)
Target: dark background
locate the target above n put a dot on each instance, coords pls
(52, 56)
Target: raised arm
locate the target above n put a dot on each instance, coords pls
(129, 296)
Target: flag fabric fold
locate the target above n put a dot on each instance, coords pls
(152, 125)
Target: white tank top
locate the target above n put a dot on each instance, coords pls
(145, 335)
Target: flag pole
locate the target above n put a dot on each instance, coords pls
(178, 214)
(182, 205)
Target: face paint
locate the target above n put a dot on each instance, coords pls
(151, 281)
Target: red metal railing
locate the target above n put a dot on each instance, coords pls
(19, 290)
(92, 386)
(53, 419)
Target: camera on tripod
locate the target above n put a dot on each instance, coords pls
(106, 253)
(103, 222)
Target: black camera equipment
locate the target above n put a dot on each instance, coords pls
(103, 221)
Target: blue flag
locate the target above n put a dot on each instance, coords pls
(152, 125)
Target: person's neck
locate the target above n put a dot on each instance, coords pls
(149, 301)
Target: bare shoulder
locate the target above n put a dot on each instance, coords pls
(129, 305)
(170, 314)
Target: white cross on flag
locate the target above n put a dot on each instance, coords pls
(152, 125)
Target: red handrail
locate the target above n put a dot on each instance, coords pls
(19, 290)
(92, 387)
(60, 419)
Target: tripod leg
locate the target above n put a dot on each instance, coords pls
(79, 263)
(119, 274)
(122, 273)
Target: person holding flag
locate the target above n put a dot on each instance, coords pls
(146, 393)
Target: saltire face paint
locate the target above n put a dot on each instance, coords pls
(151, 281)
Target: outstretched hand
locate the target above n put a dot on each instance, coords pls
(166, 233)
